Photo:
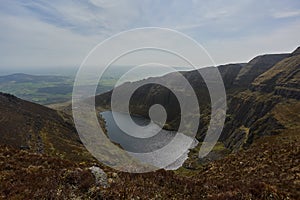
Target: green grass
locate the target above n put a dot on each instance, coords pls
(193, 162)
(44, 92)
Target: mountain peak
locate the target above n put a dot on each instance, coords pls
(296, 52)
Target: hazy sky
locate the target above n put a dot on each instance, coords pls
(46, 33)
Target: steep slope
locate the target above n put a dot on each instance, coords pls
(296, 52)
(25, 175)
(269, 170)
(283, 78)
(253, 112)
(30, 126)
(150, 94)
(257, 66)
(275, 80)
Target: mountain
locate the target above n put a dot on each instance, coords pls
(41, 156)
(26, 125)
(257, 66)
(149, 94)
(296, 52)
(254, 92)
(282, 79)
(255, 112)
(23, 78)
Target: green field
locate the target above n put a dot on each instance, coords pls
(45, 89)
(52, 89)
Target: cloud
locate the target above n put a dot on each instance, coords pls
(286, 14)
(45, 33)
(281, 40)
(30, 42)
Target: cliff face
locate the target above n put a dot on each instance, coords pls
(254, 113)
(253, 92)
(282, 79)
(257, 66)
(149, 94)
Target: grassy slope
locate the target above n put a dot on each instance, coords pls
(27, 125)
(25, 175)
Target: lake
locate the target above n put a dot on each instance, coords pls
(144, 139)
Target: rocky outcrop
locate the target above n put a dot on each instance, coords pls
(282, 79)
(253, 90)
(257, 66)
(249, 118)
(100, 176)
(150, 94)
(252, 111)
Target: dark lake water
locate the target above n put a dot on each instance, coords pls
(144, 139)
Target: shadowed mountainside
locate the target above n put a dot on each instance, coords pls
(27, 125)
(253, 112)
(253, 91)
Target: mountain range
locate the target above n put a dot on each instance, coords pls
(259, 158)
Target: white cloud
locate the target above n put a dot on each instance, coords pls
(282, 40)
(29, 42)
(44, 33)
(286, 14)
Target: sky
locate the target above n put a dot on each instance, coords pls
(57, 33)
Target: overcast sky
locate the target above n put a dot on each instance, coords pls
(45, 33)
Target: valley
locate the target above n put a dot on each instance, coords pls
(256, 157)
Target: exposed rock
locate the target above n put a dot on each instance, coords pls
(271, 77)
(100, 176)
(257, 66)
(282, 79)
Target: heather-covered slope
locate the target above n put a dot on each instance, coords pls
(30, 126)
(25, 175)
(267, 170)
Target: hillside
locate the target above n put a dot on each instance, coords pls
(282, 79)
(253, 112)
(25, 175)
(257, 66)
(257, 157)
(26, 125)
(273, 79)
(268, 170)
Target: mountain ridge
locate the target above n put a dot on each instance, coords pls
(261, 130)
(246, 104)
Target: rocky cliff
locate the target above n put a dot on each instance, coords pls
(253, 92)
